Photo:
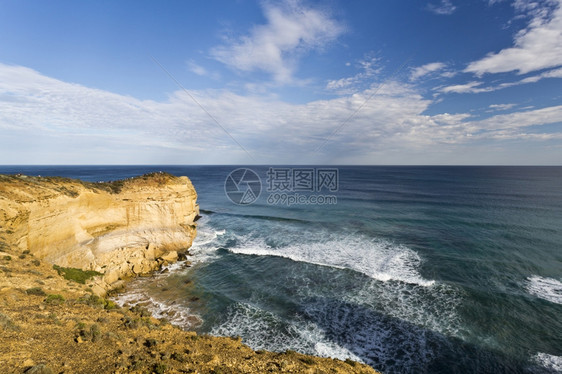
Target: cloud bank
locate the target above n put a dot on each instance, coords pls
(57, 116)
(537, 47)
(292, 30)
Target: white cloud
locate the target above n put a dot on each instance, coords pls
(201, 71)
(197, 69)
(339, 84)
(369, 69)
(448, 74)
(292, 29)
(470, 87)
(455, 131)
(515, 121)
(555, 73)
(423, 70)
(33, 105)
(473, 87)
(539, 46)
(444, 8)
(59, 122)
(501, 107)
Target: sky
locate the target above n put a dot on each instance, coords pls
(439, 82)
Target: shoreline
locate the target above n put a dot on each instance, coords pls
(53, 319)
(49, 323)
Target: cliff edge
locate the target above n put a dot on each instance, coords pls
(50, 322)
(119, 229)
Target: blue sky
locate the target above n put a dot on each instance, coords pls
(292, 82)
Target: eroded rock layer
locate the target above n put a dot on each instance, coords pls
(119, 229)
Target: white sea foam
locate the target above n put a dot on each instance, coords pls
(177, 314)
(345, 325)
(264, 330)
(546, 288)
(398, 290)
(378, 259)
(433, 308)
(206, 243)
(333, 330)
(550, 362)
(151, 294)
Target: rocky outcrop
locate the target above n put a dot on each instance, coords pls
(119, 229)
(71, 331)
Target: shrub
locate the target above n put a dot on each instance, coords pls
(160, 368)
(7, 323)
(76, 275)
(130, 323)
(53, 317)
(143, 312)
(110, 305)
(95, 332)
(96, 301)
(307, 360)
(150, 343)
(54, 299)
(36, 291)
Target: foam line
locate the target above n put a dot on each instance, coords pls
(378, 259)
(546, 288)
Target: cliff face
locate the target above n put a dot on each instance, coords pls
(119, 228)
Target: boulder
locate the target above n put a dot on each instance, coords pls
(171, 256)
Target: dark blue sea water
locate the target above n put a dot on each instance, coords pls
(413, 270)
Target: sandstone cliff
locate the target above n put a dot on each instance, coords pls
(53, 324)
(119, 228)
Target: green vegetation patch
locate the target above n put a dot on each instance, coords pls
(36, 291)
(115, 187)
(76, 275)
(54, 299)
(97, 302)
(67, 191)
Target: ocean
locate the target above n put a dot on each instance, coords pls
(409, 269)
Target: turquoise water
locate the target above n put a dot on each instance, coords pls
(414, 269)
